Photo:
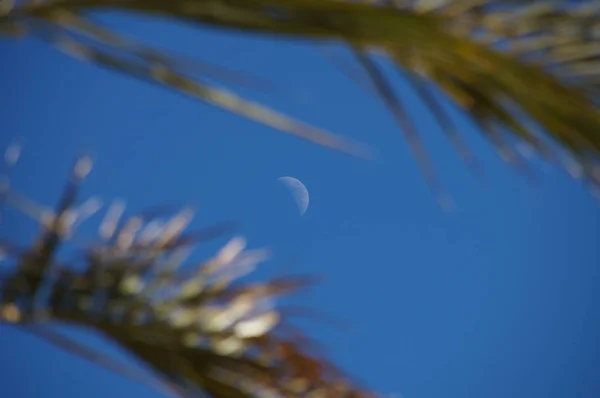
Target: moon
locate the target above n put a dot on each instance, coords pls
(299, 192)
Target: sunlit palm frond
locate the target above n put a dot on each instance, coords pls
(68, 29)
(541, 75)
(523, 71)
(199, 327)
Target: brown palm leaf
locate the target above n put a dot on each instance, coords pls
(198, 327)
(525, 72)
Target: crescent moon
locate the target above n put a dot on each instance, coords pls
(299, 192)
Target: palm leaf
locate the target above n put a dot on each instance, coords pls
(524, 72)
(198, 327)
(98, 358)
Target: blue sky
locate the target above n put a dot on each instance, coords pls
(496, 299)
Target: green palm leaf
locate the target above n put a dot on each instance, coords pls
(525, 72)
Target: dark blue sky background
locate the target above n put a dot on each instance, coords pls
(497, 299)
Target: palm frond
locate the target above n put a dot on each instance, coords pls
(198, 326)
(524, 72)
(98, 358)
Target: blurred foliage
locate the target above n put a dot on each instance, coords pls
(198, 327)
(526, 72)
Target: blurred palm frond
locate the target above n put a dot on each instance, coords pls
(199, 328)
(525, 72)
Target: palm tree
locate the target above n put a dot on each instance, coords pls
(525, 72)
(199, 330)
